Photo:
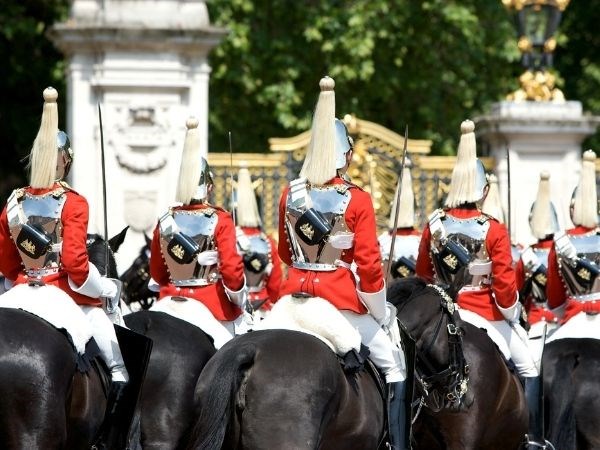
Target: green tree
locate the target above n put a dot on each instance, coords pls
(429, 64)
(30, 63)
(578, 59)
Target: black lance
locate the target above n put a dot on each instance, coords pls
(397, 204)
(103, 166)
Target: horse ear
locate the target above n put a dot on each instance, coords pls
(116, 241)
(148, 240)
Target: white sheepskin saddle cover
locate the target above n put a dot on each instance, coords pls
(189, 310)
(579, 326)
(54, 306)
(480, 322)
(314, 316)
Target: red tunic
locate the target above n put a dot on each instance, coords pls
(74, 258)
(270, 292)
(339, 286)
(556, 291)
(231, 269)
(503, 289)
(535, 312)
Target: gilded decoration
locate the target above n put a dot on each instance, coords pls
(520, 4)
(375, 168)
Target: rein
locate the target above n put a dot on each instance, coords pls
(445, 388)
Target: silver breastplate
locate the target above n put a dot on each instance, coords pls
(33, 219)
(459, 254)
(256, 254)
(581, 272)
(331, 201)
(199, 225)
(535, 264)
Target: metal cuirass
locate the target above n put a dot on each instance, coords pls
(36, 228)
(458, 251)
(198, 225)
(331, 202)
(535, 264)
(581, 273)
(256, 254)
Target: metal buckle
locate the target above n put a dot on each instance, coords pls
(453, 329)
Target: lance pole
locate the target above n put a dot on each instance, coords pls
(103, 167)
(397, 206)
(233, 206)
(509, 209)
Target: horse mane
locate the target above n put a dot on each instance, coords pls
(404, 289)
(96, 247)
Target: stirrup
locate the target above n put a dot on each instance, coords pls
(532, 445)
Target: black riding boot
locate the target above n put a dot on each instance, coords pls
(111, 435)
(533, 395)
(398, 425)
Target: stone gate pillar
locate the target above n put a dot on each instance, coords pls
(145, 63)
(540, 136)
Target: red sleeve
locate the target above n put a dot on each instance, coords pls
(424, 266)
(158, 268)
(231, 265)
(274, 280)
(360, 217)
(74, 256)
(10, 263)
(283, 246)
(520, 275)
(555, 290)
(503, 273)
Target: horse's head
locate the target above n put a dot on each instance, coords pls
(99, 251)
(428, 315)
(135, 279)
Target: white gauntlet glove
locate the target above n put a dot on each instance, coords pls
(237, 297)
(376, 304)
(208, 258)
(512, 313)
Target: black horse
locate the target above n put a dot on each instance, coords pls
(46, 402)
(279, 389)
(135, 281)
(571, 386)
(179, 354)
(470, 399)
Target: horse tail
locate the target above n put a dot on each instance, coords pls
(216, 392)
(562, 431)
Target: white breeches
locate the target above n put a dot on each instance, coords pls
(384, 354)
(223, 331)
(106, 338)
(516, 338)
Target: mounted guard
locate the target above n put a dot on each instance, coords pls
(325, 224)
(262, 264)
(406, 245)
(573, 286)
(194, 258)
(43, 233)
(532, 268)
(469, 251)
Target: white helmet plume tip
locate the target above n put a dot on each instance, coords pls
(467, 126)
(544, 175)
(191, 123)
(327, 84)
(50, 95)
(589, 155)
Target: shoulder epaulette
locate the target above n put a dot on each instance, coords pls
(484, 217)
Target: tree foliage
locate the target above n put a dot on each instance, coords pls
(429, 64)
(30, 63)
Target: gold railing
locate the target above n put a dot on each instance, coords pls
(375, 168)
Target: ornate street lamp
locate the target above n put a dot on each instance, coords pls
(536, 22)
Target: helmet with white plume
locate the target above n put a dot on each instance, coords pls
(194, 173)
(492, 204)
(543, 219)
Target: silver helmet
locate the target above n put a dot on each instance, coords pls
(204, 181)
(343, 143)
(65, 156)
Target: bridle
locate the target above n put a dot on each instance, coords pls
(445, 388)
